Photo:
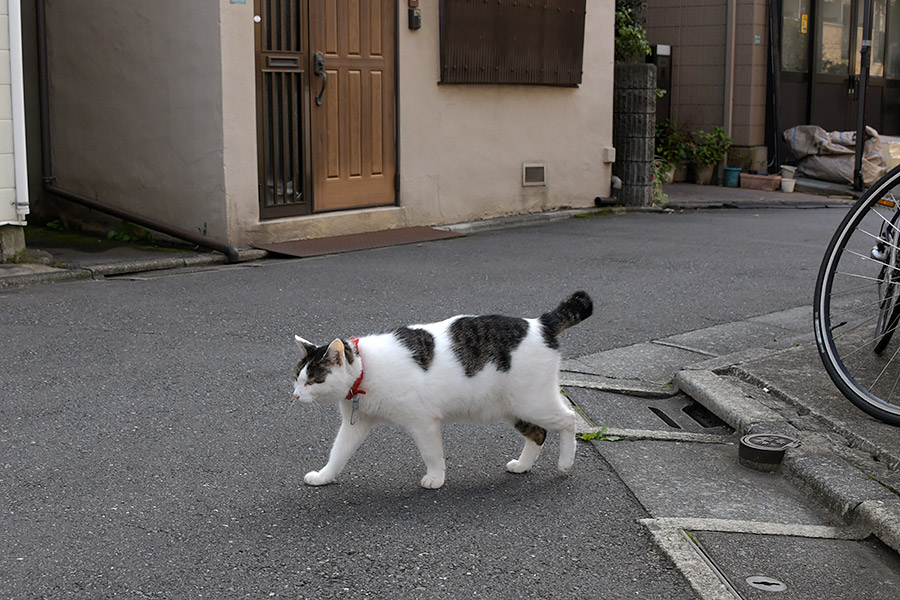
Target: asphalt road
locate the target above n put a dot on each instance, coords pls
(148, 447)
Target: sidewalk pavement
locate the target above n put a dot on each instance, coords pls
(68, 262)
(758, 375)
(764, 375)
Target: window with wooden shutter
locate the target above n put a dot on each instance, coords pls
(537, 42)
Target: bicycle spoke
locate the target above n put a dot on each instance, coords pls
(883, 370)
(867, 278)
(847, 291)
(864, 344)
(873, 260)
(856, 307)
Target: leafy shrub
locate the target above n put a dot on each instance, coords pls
(710, 148)
(672, 144)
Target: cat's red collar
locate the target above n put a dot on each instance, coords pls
(355, 390)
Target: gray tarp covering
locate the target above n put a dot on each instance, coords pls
(831, 156)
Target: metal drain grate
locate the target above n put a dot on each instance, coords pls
(768, 584)
(664, 417)
(672, 412)
(677, 414)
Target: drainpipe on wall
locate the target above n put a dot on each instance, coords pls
(49, 179)
(730, 40)
(17, 88)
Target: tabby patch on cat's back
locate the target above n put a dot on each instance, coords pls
(471, 368)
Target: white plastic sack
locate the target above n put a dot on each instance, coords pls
(831, 156)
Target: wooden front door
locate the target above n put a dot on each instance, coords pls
(327, 105)
(354, 109)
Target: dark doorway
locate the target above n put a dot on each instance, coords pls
(820, 64)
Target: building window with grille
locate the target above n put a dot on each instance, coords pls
(512, 41)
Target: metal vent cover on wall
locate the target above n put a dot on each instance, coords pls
(534, 174)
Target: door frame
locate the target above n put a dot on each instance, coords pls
(823, 89)
(275, 62)
(307, 91)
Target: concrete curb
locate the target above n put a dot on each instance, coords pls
(842, 486)
(471, 227)
(887, 455)
(78, 273)
(59, 276)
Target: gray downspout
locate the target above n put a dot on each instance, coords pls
(730, 41)
(49, 179)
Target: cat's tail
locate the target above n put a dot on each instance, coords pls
(572, 311)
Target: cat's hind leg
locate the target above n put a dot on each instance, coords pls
(567, 443)
(554, 416)
(534, 441)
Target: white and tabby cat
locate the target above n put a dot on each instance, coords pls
(465, 368)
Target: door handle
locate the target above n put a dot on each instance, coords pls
(319, 69)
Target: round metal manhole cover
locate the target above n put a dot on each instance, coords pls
(768, 584)
(764, 451)
(770, 441)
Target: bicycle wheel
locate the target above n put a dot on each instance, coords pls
(855, 308)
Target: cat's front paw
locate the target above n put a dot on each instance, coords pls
(432, 482)
(316, 478)
(517, 466)
(565, 465)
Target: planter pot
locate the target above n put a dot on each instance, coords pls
(732, 176)
(787, 185)
(787, 172)
(768, 183)
(681, 173)
(703, 174)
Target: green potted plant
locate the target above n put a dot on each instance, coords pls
(672, 146)
(707, 151)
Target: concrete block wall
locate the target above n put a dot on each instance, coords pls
(634, 124)
(697, 32)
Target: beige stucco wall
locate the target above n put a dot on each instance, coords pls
(239, 120)
(462, 146)
(137, 109)
(153, 109)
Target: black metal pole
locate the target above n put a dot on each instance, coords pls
(43, 85)
(865, 52)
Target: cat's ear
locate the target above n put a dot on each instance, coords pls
(335, 353)
(305, 346)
